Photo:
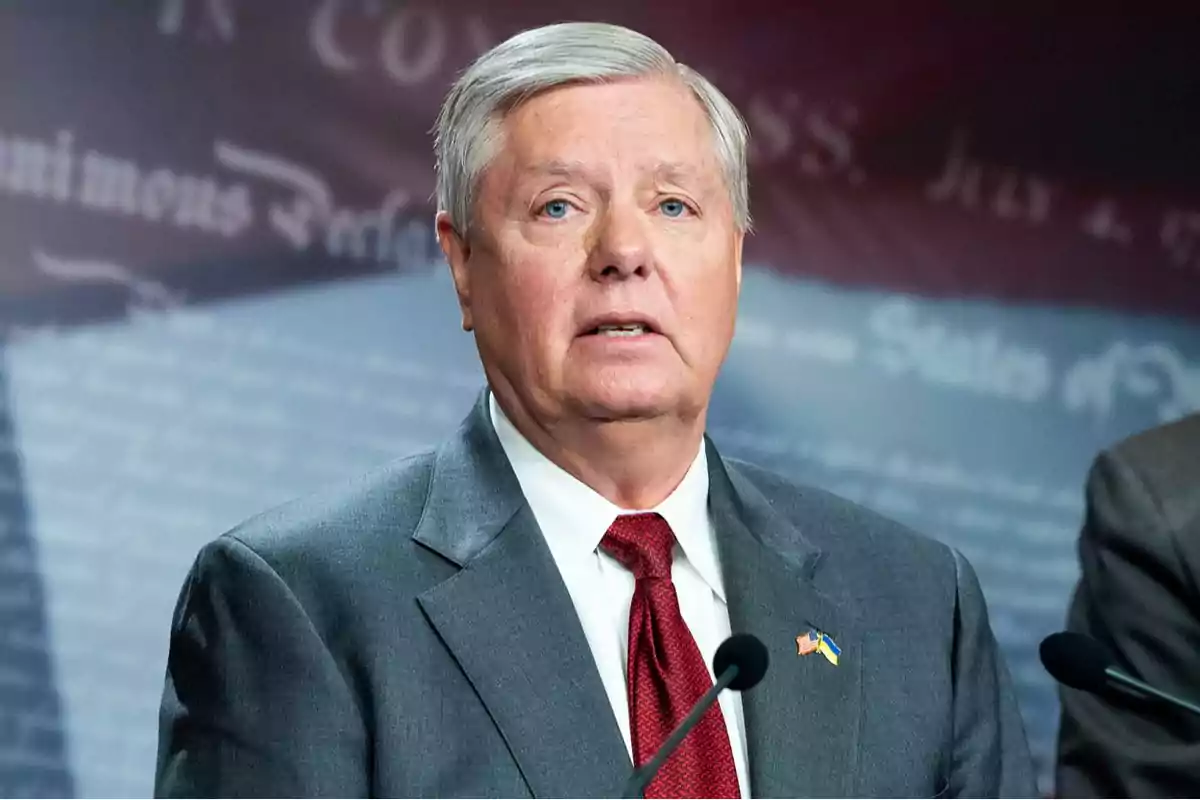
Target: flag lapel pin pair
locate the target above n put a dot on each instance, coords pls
(817, 642)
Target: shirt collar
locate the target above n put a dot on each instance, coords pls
(574, 517)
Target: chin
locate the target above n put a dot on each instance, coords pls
(631, 400)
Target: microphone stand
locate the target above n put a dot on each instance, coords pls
(641, 777)
(1132, 685)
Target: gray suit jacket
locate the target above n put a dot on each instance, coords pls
(1138, 595)
(410, 635)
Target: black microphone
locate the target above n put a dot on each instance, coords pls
(739, 664)
(1080, 662)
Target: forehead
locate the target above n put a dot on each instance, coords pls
(654, 124)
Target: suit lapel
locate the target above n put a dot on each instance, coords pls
(509, 622)
(802, 720)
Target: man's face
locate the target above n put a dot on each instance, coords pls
(602, 271)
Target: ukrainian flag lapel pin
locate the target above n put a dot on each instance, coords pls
(828, 648)
(817, 642)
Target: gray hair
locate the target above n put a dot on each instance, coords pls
(555, 55)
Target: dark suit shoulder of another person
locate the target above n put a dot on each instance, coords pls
(1139, 552)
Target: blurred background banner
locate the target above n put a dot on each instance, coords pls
(977, 262)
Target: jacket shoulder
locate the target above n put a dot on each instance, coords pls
(1152, 474)
(830, 521)
(868, 560)
(1161, 452)
(322, 537)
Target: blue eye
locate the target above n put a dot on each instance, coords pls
(673, 208)
(556, 209)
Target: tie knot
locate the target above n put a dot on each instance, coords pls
(643, 543)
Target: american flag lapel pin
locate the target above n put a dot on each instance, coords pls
(807, 643)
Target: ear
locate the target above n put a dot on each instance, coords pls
(457, 253)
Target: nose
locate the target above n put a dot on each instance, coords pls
(622, 247)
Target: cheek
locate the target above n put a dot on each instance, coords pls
(710, 308)
(532, 303)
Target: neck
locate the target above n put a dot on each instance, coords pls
(634, 464)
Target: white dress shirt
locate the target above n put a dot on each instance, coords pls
(574, 518)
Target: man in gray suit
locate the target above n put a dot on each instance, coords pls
(1140, 556)
(532, 607)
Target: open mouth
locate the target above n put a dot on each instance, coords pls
(625, 330)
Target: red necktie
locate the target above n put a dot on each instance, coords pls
(667, 674)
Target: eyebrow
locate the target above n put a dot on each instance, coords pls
(557, 168)
(672, 171)
(676, 171)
